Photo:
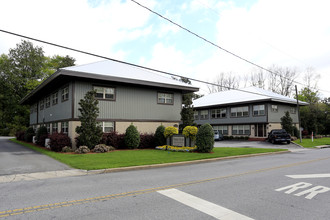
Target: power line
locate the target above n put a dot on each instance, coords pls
(217, 46)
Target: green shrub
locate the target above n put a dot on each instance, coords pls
(29, 133)
(58, 141)
(20, 135)
(159, 136)
(205, 139)
(190, 132)
(132, 137)
(82, 150)
(67, 149)
(102, 148)
(41, 135)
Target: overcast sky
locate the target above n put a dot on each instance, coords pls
(286, 33)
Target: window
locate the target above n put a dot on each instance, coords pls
(65, 93)
(239, 111)
(258, 110)
(222, 129)
(196, 115)
(48, 128)
(165, 98)
(204, 114)
(54, 127)
(65, 127)
(34, 127)
(274, 108)
(104, 93)
(293, 110)
(47, 101)
(107, 126)
(42, 104)
(218, 113)
(55, 98)
(241, 129)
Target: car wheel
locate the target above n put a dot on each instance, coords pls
(288, 142)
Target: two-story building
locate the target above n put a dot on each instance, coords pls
(126, 94)
(249, 112)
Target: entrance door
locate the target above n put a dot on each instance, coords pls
(260, 130)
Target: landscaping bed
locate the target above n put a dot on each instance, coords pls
(127, 158)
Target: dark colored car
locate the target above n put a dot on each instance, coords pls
(279, 135)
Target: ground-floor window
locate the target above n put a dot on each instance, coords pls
(107, 126)
(54, 127)
(65, 127)
(241, 129)
(48, 128)
(222, 129)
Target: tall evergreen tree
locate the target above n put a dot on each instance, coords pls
(286, 122)
(187, 112)
(90, 133)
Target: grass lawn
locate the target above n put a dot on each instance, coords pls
(126, 158)
(316, 142)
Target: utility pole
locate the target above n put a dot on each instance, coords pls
(298, 114)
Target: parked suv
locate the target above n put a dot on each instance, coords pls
(279, 135)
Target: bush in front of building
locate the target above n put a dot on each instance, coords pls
(67, 149)
(132, 137)
(170, 131)
(83, 150)
(41, 135)
(20, 135)
(190, 132)
(205, 139)
(29, 133)
(102, 148)
(58, 141)
(147, 141)
(160, 139)
(113, 139)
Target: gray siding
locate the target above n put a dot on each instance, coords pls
(33, 118)
(235, 120)
(275, 117)
(132, 103)
(60, 111)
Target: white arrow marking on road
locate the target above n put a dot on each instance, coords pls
(305, 176)
(202, 205)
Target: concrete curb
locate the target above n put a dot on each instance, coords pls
(323, 146)
(77, 172)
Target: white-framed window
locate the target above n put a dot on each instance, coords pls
(47, 102)
(48, 128)
(107, 126)
(55, 98)
(196, 115)
(258, 110)
(293, 110)
(165, 98)
(241, 130)
(222, 129)
(218, 113)
(65, 93)
(204, 114)
(42, 104)
(274, 108)
(239, 111)
(107, 93)
(54, 127)
(65, 127)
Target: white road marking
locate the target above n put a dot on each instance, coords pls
(202, 205)
(294, 187)
(305, 176)
(313, 191)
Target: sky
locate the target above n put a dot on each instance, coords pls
(285, 33)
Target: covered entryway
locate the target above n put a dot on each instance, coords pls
(260, 130)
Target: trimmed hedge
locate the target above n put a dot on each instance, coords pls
(113, 139)
(58, 141)
(132, 137)
(41, 136)
(147, 141)
(205, 139)
(160, 139)
(29, 133)
(20, 135)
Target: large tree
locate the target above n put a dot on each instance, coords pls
(24, 68)
(187, 112)
(223, 82)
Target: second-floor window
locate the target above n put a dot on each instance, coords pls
(274, 108)
(65, 93)
(47, 101)
(218, 113)
(107, 93)
(239, 111)
(165, 98)
(293, 110)
(258, 110)
(204, 114)
(196, 115)
(55, 98)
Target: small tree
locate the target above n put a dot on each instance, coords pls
(159, 136)
(132, 137)
(205, 139)
(89, 132)
(286, 122)
(41, 135)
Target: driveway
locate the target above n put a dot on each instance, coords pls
(255, 144)
(16, 159)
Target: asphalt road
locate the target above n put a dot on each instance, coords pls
(16, 159)
(255, 187)
(255, 144)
